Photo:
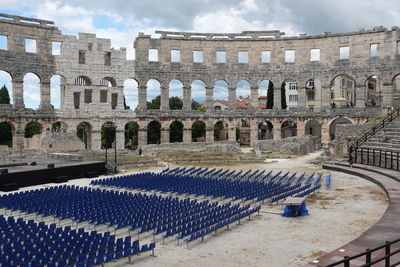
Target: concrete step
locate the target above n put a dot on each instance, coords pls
(381, 148)
(380, 140)
(381, 143)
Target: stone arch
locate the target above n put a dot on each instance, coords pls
(104, 134)
(83, 131)
(176, 132)
(199, 131)
(265, 130)
(7, 133)
(32, 128)
(153, 87)
(336, 121)
(59, 126)
(31, 90)
(6, 80)
(131, 93)
(108, 81)
(396, 90)
(82, 81)
(198, 92)
(288, 129)
(154, 132)
(372, 92)
(243, 131)
(131, 135)
(221, 95)
(175, 88)
(263, 87)
(342, 91)
(243, 94)
(221, 131)
(313, 127)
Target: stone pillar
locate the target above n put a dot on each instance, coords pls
(325, 132)
(95, 142)
(45, 95)
(253, 134)
(254, 97)
(277, 131)
(301, 128)
(301, 91)
(232, 98)
(18, 94)
(231, 133)
(387, 90)
(210, 134)
(164, 135)
(325, 95)
(142, 137)
(164, 98)
(19, 142)
(142, 99)
(209, 98)
(187, 135)
(187, 98)
(120, 138)
(277, 97)
(360, 96)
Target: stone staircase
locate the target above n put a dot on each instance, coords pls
(392, 144)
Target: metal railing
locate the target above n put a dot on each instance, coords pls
(367, 256)
(378, 158)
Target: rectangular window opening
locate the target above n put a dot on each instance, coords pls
(289, 56)
(107, 59)
(374, 50)
(82, 57)
(114, 101)
(197, 56)
(103, 96)
(88, 96)
(153, 55)
(344, 53)
(221, 57)
(243, 57)
(292, 86)
(77, 99)
(30, 45)
(314, 54)
(3, 42)
(90, 46)
(175, 56)
(265, 56)
(99, 47)
(56, 48)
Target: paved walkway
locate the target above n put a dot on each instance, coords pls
(386, 229)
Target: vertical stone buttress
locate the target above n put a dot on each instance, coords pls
(142, 98)
(45, 95)
(18, 94)
(164, 98)
(232, 98)
(254, 96)
(209, 98)
(187, 98)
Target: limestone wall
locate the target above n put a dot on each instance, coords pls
(291, 145)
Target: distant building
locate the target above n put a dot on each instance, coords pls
(241, 103)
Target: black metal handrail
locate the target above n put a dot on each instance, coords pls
(377, 157)
(389, 118)
(368, 256)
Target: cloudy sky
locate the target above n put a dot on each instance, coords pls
(121, 20)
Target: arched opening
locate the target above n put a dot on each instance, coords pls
(83, 131)
(131, 135)
(153, 94)
(288, 129)
(107, 136)
(82, 81)
(311, 92)
(131, 94)
(334, 124)
(31, 90)
(153, 132)
(343, 91)
(176, 132)
(175, 95)
(6, 134)
(198, 131)
(32, 129)
(289, 95)
(5, 88)
(57, 88)
(220, 131)
(313, 128)
(108, 81)
(198, 88)
(243, 132)
(220, 95)
(243, 95)
(396, 91)
(263, 91)
(265, 130)
(59, 127)
(373, 92)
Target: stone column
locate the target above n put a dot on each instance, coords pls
(18, 94)
(210, 134)
(120, 138)
(209, 98)
(232, 98)
(164, 135)
(142, 137)
(187, 135)
(45, 95)
(325, 132)
(231, 133)
(142, 99)
(95, 142)
(253, 134)
(276, 131)
(325, 95)
(19, 142)
(301, 128)
(187, 98)
(277, 97)
(360, 95)
(254, 97)
(301, 91)
(164, 98)
(387, 90)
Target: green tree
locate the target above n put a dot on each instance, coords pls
(176, 132)
(283, 96)
(218, 127)
(153, 132)
(131, 134)
(175, 103)
(32, 128)
(202, 109)
(198, 130)
(4, 96)
(154, 103)
(5, 134)
(270, 95)
(125, 106)
(195, 105)
(82, 131)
